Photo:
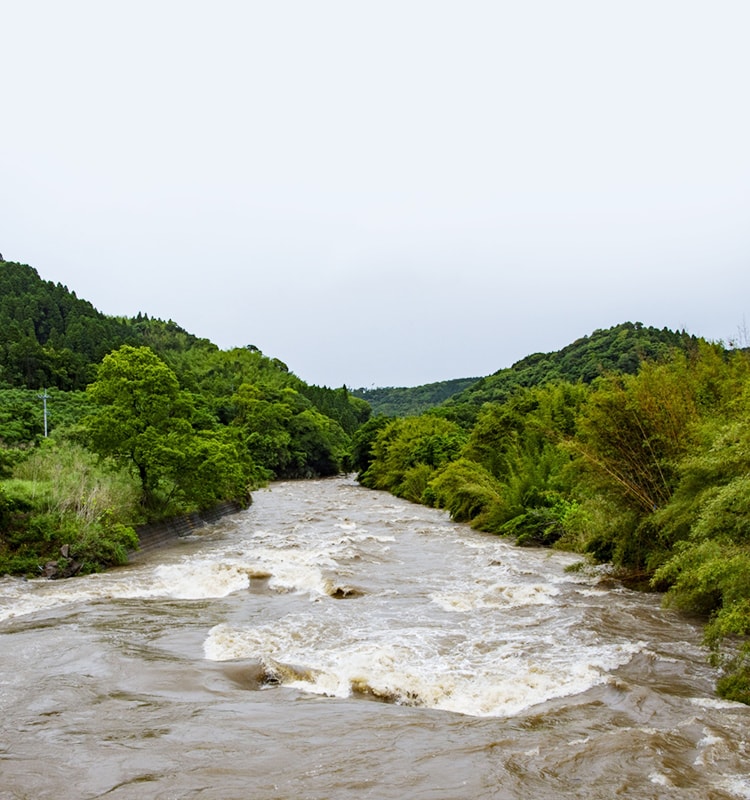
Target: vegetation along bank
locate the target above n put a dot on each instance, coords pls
(631, 446)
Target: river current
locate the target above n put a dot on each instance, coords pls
(335, 642)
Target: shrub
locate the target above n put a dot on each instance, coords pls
(415, 483)
(466, 490)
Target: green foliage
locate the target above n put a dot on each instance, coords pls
(9, 457)
(411, 401)
(320, 444)
(634, 430)
(725, 512)
(415, 482)
(286, 435)
(708, 571)
(520, 444)
(218, 374)
(618, 350)
(340, 405)
(539, 526)
(142, 417)
(244, 389)
(466, 490)
(698, 575)
(92, 546)
(51, 338)
(493, 436)
(61, 495)
(405, 443)
(264, 418)
(211, 466)
(734, 684)
(62, 477)
(144, 421)
(22, 416)
(104, 543)
(362, 443)
(48, 337)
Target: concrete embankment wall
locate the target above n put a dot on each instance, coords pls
(159, 534)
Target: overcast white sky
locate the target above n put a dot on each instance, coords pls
(384, 193)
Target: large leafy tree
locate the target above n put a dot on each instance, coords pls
(144, 419)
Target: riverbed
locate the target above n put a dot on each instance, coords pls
(335, 642)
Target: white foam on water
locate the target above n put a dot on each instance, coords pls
(738, 787)
(715, 702)
(30, 597)
(193, 577)
(709, 739)
(197, 579)
(498, 595)
(592, 592)
(659, 779)
(417, 666)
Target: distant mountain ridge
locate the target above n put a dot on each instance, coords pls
(51, 338)
(619, 349)
(409, 401)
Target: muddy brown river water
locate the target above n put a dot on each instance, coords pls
(332, 642)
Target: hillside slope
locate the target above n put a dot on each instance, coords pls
(620, 349)
(399, 401)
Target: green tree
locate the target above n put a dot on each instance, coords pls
(144, 419)
(361, 455)
(286, 434)
(215, 467)
(264, 417)
(408, 451)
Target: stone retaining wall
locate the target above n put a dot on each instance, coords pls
(157, 534)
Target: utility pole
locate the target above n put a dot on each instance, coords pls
(44, 397)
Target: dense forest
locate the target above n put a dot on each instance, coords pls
(400, 401)
(144, 420)
(630, 446)
(620, 349)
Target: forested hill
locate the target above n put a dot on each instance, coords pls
(620, 349)
(408, 401)
(168, 424)
(51, 338)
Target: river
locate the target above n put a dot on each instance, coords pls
(335, 642)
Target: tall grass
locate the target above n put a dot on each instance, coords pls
(67, 480)
(63, 495)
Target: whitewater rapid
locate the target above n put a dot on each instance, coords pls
(330, 598)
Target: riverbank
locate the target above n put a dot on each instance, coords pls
(154, 535)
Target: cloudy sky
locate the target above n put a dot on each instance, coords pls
(384, 193)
